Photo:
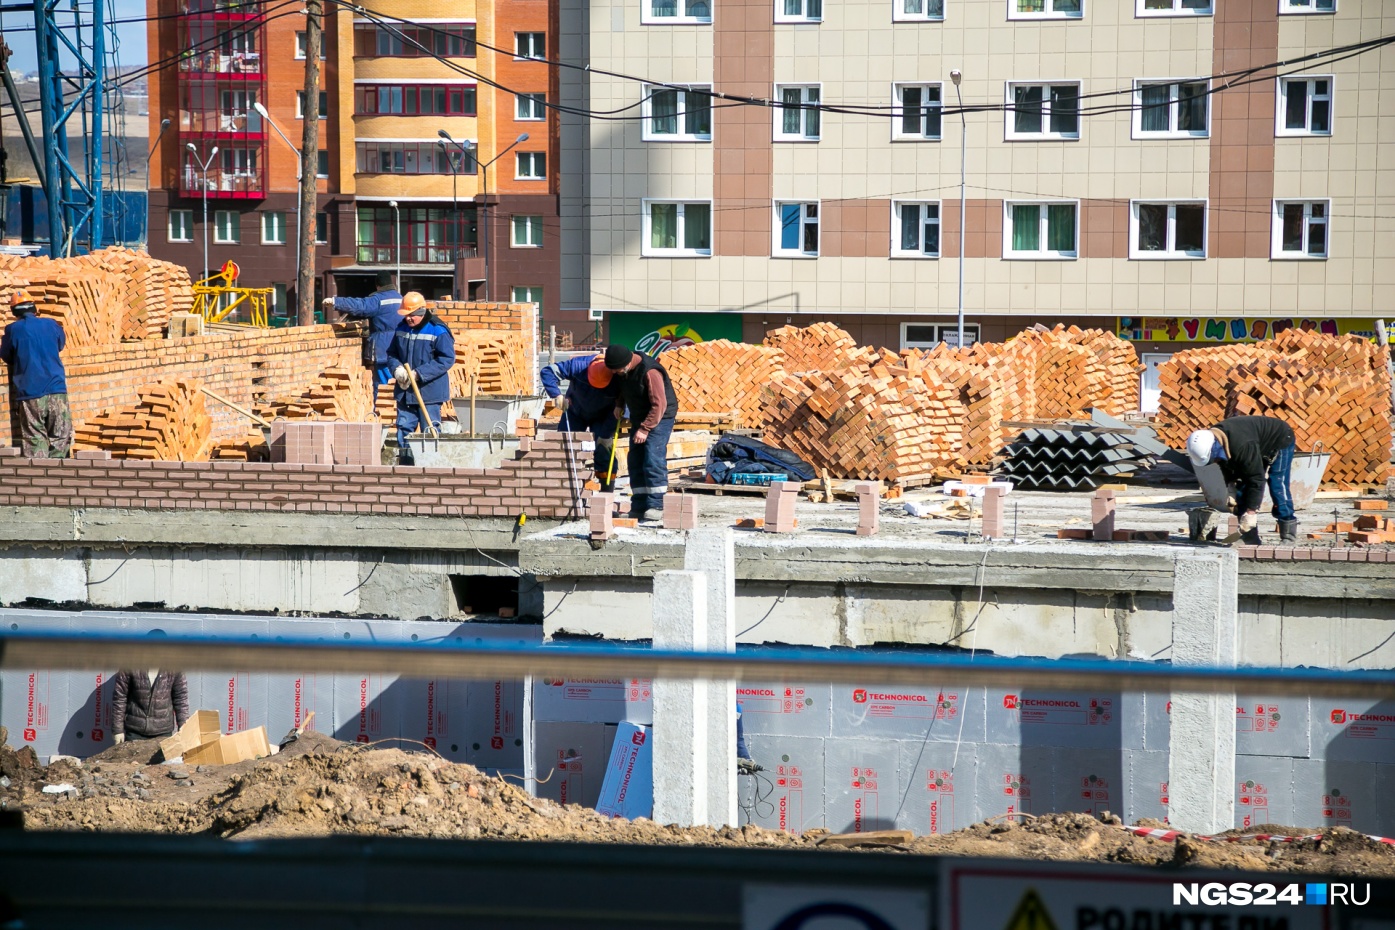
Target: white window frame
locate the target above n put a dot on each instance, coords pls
(218, 226)
(931, 11)
(647, 248)
(1011, 134)
(531, 159)
(268, 215)
(804, 114)
(685, 93)
(1177, 9)
(1281, 105)
(776, 250)
(187, 223)
(898, 131)
(530, 107)
(943, 332)
(1277, 251)
(518, 50)
(1174, 86)
(782, 14)
(300, 105)
(688, 17)
(1305, 8)
(531, 227)
(1043, 254)
(1049, 11)
(302, 41)
(1170, 253)
(528, 296)
(896, 250)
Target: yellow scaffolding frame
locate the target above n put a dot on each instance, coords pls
(211, 298)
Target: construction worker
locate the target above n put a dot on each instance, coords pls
(589, 404)
(423, 350)
(1246, 448)
(31, 347)
(148, 704)
(647, 392)
(380, 310)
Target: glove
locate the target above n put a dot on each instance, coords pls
(118, 739)
(1248, 521)
(562, 404)
(328, 302)
(401, 375)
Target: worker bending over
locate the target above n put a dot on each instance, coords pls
(589, 404)
(647, 392)
(380, 310)
(148, 704)
(1245, 448)
(31, 347)
(423, 350)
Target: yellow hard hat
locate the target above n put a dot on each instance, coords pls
(412, 302)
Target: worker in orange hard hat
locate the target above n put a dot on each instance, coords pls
(422, 350)
(31, 347)
(588, 404)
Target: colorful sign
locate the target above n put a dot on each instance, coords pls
(652, 333)
(1219, 329)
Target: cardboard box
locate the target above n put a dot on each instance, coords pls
(230, 748)
(200, 728)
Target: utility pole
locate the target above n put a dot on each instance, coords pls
(309, 162)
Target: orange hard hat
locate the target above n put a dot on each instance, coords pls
(20, 296)
(597, 374)
(412, 302)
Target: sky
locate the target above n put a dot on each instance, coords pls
(18, 31)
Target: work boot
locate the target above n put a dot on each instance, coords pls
(650, 516)
(1251, 537)
(1288, 530)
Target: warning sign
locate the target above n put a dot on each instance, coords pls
(1066, 896)
(1030, 914)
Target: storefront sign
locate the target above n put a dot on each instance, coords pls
(653, 333)
(1218, 329)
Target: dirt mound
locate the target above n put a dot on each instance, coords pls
(319, 786)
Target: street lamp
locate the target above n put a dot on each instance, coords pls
(397, 239)
(164, 124)
(956, 76)
(203, 169)
(299, 230)
(484, 188)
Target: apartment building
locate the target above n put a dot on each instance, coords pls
(1137, 165)
(424, 170)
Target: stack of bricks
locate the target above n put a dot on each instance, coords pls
(869, 497)
(496, 362)
(602, 514)
(536, 483)
(1371, 529)
(1102, 515)
(385, 405)
(250, 448)
(338, 393)
(149, 291)
(680, 511)
(1332, 390)
(168, 423)
(819, 347)
(496, 318)
(722, 377)
(525, 428)
(779, 506)
(994, 498)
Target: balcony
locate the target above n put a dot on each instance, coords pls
(443, 255)
(231, 182)
(221, 79)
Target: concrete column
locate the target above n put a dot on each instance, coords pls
(680, 707)
(712, 551)
(1201, 764)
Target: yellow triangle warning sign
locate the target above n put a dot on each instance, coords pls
(1031, 914)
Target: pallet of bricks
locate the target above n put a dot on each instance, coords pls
(168, 423)
(1334, 391)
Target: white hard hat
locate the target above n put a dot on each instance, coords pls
(1201, 446)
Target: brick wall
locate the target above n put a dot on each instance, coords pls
(539, 482)
(245, 368)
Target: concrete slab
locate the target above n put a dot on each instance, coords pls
(48, 575)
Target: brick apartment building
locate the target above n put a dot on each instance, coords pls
(1116, 177)
(392, 82)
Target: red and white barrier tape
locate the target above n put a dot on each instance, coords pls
(1170, 835)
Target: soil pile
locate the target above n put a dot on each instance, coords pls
(318, 786)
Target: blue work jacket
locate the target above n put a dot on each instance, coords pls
(380, 310)
(30, 347)
(430, 351)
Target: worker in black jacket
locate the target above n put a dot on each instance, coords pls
(648, 393)
(1246, 448)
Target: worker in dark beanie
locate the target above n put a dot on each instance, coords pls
(647, 392)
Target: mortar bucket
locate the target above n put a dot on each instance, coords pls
(1304, 481)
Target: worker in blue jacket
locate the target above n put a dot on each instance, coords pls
(31, 347)
(589, 404)
(380, 310)
(423, 350)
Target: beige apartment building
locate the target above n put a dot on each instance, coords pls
(1154, 167)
